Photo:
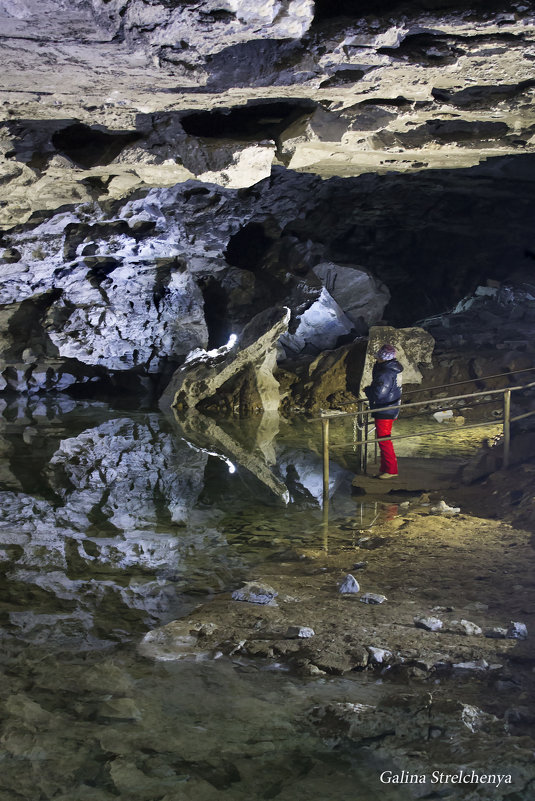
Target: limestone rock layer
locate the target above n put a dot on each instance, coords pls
(171, 169)
(100, 98)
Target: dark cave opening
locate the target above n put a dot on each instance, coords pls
(89, 147)
(331, 9)
(250, 122)
(248, 248)
(215, 311)
(431, 237)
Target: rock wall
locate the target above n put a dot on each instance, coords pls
(249, 362)
(222, 92)
(164, 171)
(132, 287)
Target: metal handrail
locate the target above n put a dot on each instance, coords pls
(457, 383)
(443, 401)
(430, 431)
(506, 421)
(472, 380)
(522, 416)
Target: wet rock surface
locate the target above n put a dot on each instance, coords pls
(433, 731)
(432, 645)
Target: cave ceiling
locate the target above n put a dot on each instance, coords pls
(100, 98)
(168, 169)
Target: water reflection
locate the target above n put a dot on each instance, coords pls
(112, 524)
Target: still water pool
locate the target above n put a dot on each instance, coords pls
(114, 523)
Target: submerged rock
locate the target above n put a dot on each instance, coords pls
(425, 736)
(119, 709)
(428, 623)
(172, 642)
(254, 593)
(517, 631)
(349, 585)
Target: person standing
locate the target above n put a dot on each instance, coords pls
(385, 391)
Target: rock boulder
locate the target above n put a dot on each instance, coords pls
(252, 358)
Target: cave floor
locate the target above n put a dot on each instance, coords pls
(415, 475)
(130, 672)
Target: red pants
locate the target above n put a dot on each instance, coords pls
(389, 462)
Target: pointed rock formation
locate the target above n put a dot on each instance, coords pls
(252, 359)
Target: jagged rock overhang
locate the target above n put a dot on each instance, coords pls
(348, 88)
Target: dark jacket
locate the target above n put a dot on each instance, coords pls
(385, 389)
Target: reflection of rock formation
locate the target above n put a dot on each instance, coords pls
(303, 472)
(258, 456)
(107, 530)
(249, 366)
(95, 472)
(112, 541)
(293, 473)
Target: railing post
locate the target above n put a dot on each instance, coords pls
(359, 432)
(506, 428)
(366, 432)
(325, 440)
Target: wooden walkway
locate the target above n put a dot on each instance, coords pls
(415, 475)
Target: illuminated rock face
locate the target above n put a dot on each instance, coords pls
(99, 291)
(163, 173)
(252, 356)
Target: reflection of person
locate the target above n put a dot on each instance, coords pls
(385, 390)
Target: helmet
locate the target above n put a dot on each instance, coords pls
(386, 353)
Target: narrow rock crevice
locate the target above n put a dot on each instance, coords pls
(476, 97)
(254, 121)
(215, 311)
(90, 147)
